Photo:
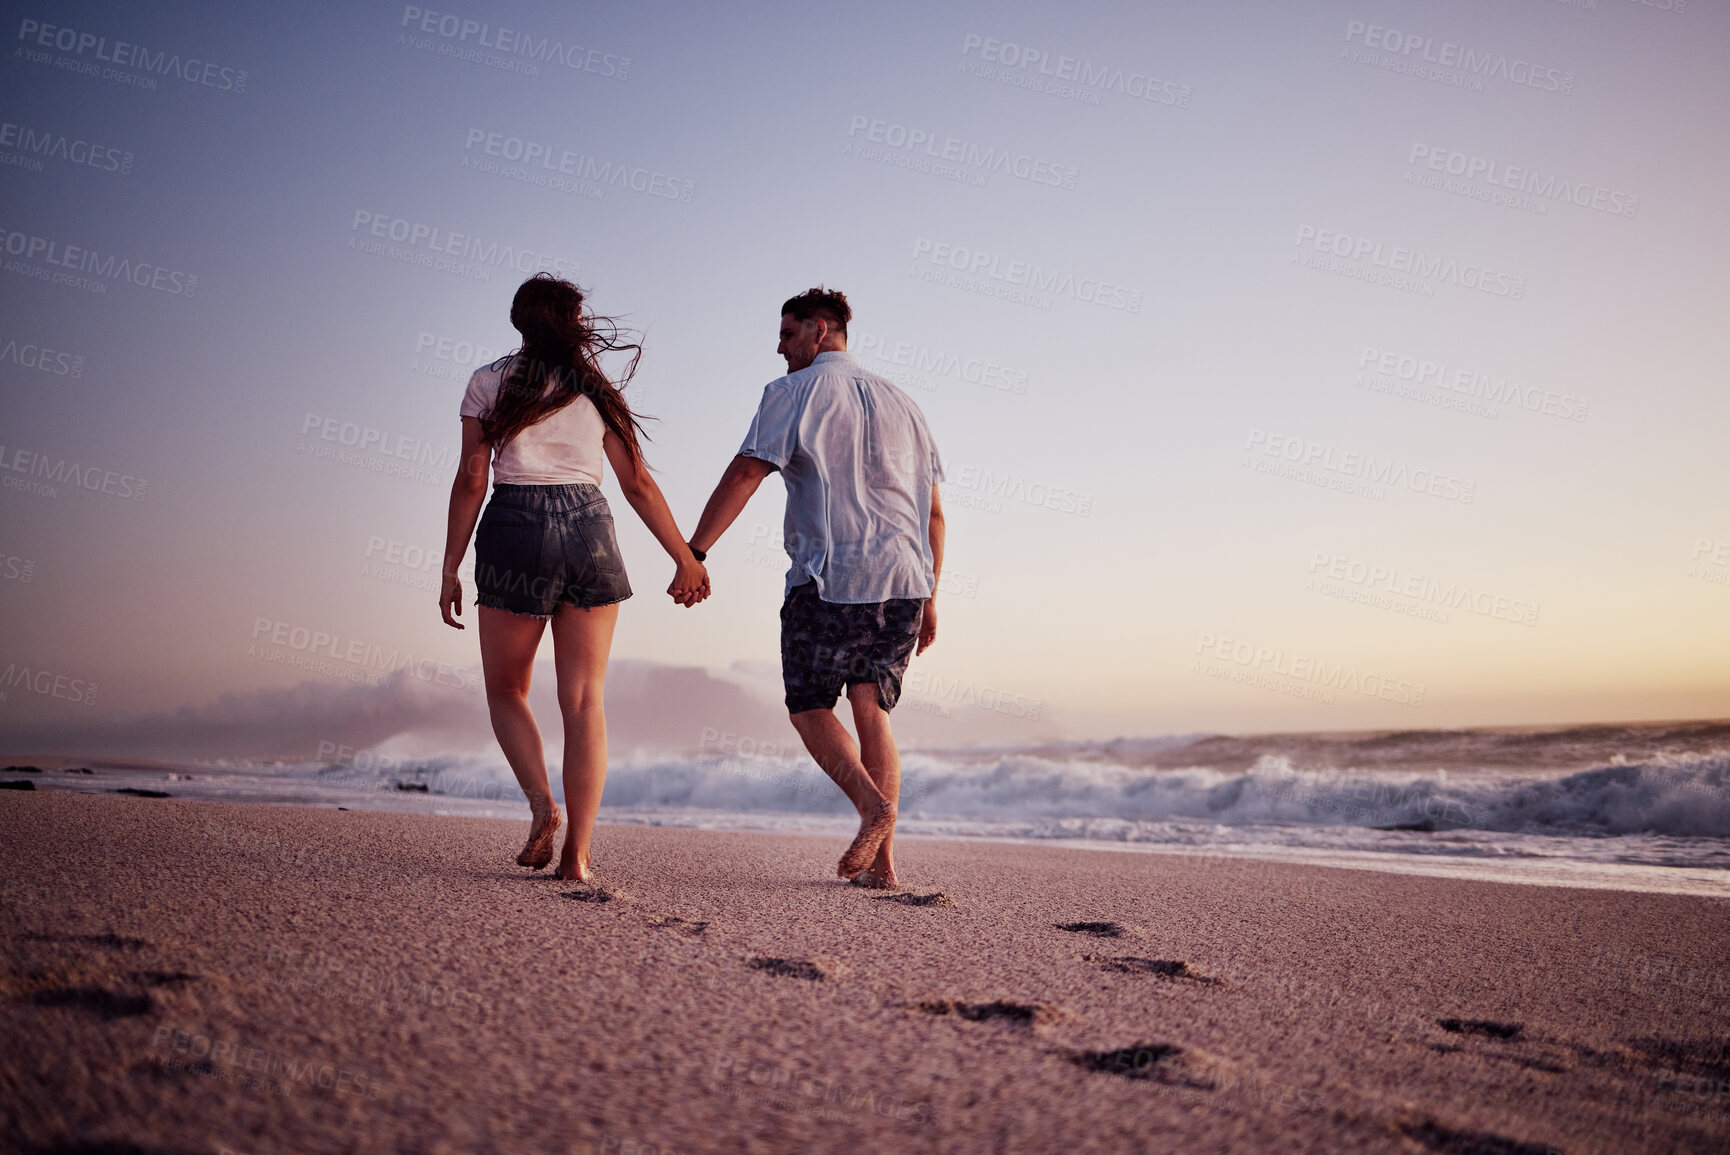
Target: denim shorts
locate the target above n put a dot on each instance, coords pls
(542, 546)
(828, 646)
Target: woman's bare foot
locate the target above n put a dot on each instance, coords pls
(538, 851)
(575, 872)
(572, 867)
(874, 827)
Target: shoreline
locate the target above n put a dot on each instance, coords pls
(1520, 868)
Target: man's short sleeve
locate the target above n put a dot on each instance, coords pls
(930, 444)
(483, 388)
(774, 432)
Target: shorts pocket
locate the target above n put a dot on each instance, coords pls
(603, 547)
(508, 548)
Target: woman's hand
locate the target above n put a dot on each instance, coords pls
(451, 599)
(690, 583)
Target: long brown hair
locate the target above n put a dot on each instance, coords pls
(563, 345)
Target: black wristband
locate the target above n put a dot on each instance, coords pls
(697, 553)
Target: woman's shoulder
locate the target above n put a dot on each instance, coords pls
(483, 388)
(493, 371)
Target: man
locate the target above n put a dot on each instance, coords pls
(864, 530)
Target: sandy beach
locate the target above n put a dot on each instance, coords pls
(199, 977)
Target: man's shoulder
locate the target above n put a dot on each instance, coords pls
(849, 368)
(889, 390)
(801, 383)
(790, 383)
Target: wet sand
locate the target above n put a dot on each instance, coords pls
(201, 977)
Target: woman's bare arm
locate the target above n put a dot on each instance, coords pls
(468, 492)
(690, 580)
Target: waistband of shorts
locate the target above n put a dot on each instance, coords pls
(574, 500)
(574, 488)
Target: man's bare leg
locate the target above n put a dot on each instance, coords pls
(833, 749)
(883, 762)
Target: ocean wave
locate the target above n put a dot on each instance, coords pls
(1681, 796)
(1686, 796)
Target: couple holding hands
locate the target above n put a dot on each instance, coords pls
(864, 531)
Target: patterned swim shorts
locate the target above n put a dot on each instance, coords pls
(828, 646)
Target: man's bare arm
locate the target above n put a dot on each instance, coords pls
(938, 530)
(732, 492)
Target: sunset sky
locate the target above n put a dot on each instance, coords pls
(1313, 366)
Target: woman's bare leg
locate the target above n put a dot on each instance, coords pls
(508, 646)
(582, 640)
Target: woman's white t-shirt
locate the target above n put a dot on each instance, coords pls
(565, 449)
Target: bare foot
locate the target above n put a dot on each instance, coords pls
(538, 851)
(570, 868)
(579, 873)
(874, 827)
(875, 879)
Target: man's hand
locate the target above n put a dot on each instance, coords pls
(690, 583)
(928, 625)
(451, 599)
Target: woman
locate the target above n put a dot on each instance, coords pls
(542, 418)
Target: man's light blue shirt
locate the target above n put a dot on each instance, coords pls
(859, 464)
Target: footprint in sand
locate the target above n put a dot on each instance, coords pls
(811, 970)
(1017, 1014)
(595, 894)
(1439, 1138)
(683, 925)
(109, 940)
(164, 978)
(1705, 1057)
(1165, 1063)
(1484, 1027)
(105, 1004)
(73, 989)
(1096, 929)
(908, 899)
(1157, 967)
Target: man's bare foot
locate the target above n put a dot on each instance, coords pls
(875, 879)
(538, 851)
(874, 827)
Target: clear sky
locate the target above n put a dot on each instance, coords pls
(1315, 366)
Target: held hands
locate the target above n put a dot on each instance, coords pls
(690, 583)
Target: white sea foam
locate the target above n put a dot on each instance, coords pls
(1662, 810)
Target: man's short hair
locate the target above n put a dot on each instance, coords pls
(829, 304)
